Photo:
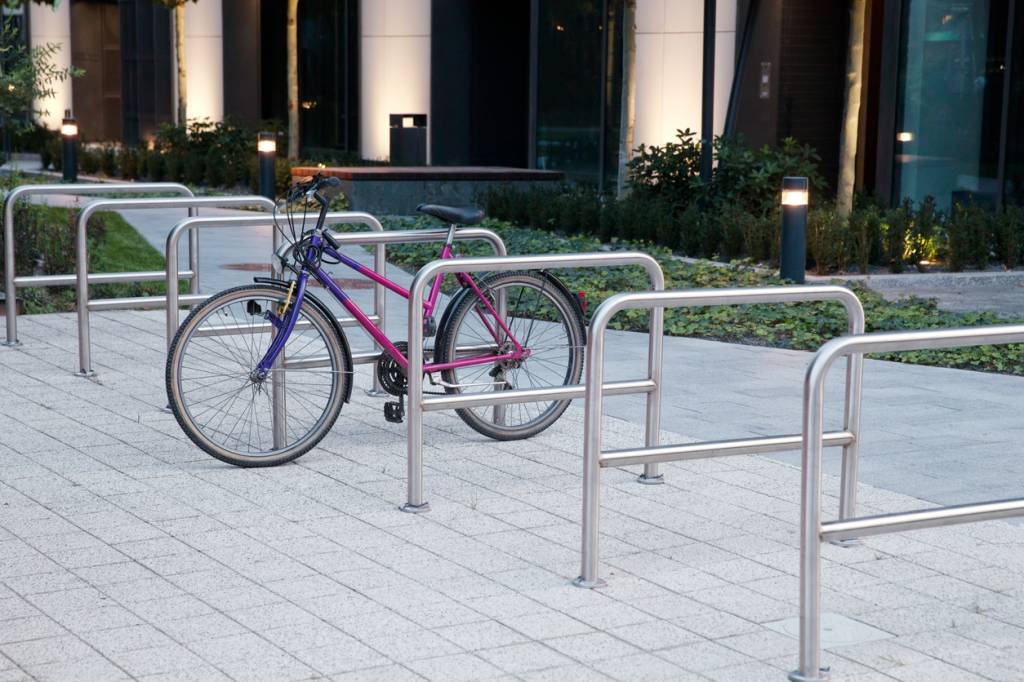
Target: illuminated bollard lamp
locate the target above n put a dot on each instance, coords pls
(793, 256)
(69, 147)
(266, 148)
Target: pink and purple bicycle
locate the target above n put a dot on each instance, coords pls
(247, 348)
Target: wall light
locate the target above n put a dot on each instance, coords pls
(905, 136)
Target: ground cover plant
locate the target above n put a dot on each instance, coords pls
(796, 326)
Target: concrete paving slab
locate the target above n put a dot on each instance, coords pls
(132, 555)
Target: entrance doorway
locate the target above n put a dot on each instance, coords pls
(480, 66)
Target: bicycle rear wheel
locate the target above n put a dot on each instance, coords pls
(545, 321)
(228, 411)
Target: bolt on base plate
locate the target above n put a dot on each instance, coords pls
(650, 480)
(589, 584)
(415, 508)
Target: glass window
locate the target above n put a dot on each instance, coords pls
(327, 76)
(949, 100)
(1014, 183)
(573, 56)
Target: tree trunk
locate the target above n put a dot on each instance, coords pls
(293, 80)
(179, 49)
(851, 109)
(628, 106)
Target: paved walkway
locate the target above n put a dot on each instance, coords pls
(125, 553)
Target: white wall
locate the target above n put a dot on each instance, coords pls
(670, 35)
(394, 70)
(204, 60)
(53, 25)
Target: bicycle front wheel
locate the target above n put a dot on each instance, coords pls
(228, 411)
(545, 321)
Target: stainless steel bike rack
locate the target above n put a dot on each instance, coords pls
(11, 283)
(813, 530)
(82, 277)
(593, 457)
(418, 405)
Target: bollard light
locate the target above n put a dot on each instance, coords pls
(69, 147)
(793, 256)
(266, 147)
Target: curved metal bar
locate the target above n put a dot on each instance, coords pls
(812, 530)
(174, 236)
(593, 407)
(23, 191)
(82, 250)
(425, 277)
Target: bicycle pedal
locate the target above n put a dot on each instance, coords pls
(394, 412)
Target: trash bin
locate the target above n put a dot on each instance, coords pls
(408, 139)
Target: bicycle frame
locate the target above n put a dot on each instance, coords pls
(286, 326)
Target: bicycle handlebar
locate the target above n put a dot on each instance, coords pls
(321, 187)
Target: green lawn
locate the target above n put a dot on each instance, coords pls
(800, 326)
(119, 248)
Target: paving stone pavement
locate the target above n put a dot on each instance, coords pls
(126, 553)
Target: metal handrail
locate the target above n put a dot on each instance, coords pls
(83, 278)
(812, 530)
(593, 457)
(173, 300)
(22, 191)
(418, 405)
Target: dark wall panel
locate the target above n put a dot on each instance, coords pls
(812, 77)
(242, 99)
(479, 82)
(145, 68)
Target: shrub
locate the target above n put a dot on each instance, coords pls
(128, 162)
(108, 160)
(923, 240)
(88, 160)
(752, 178)
(45, 237)
(865, 232)
(828, 239)
(896, 228)
(667, 172)
(156, 167)
(1009, 236)
(968, 240)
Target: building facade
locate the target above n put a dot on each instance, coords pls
(537, 83)
(521, 83)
